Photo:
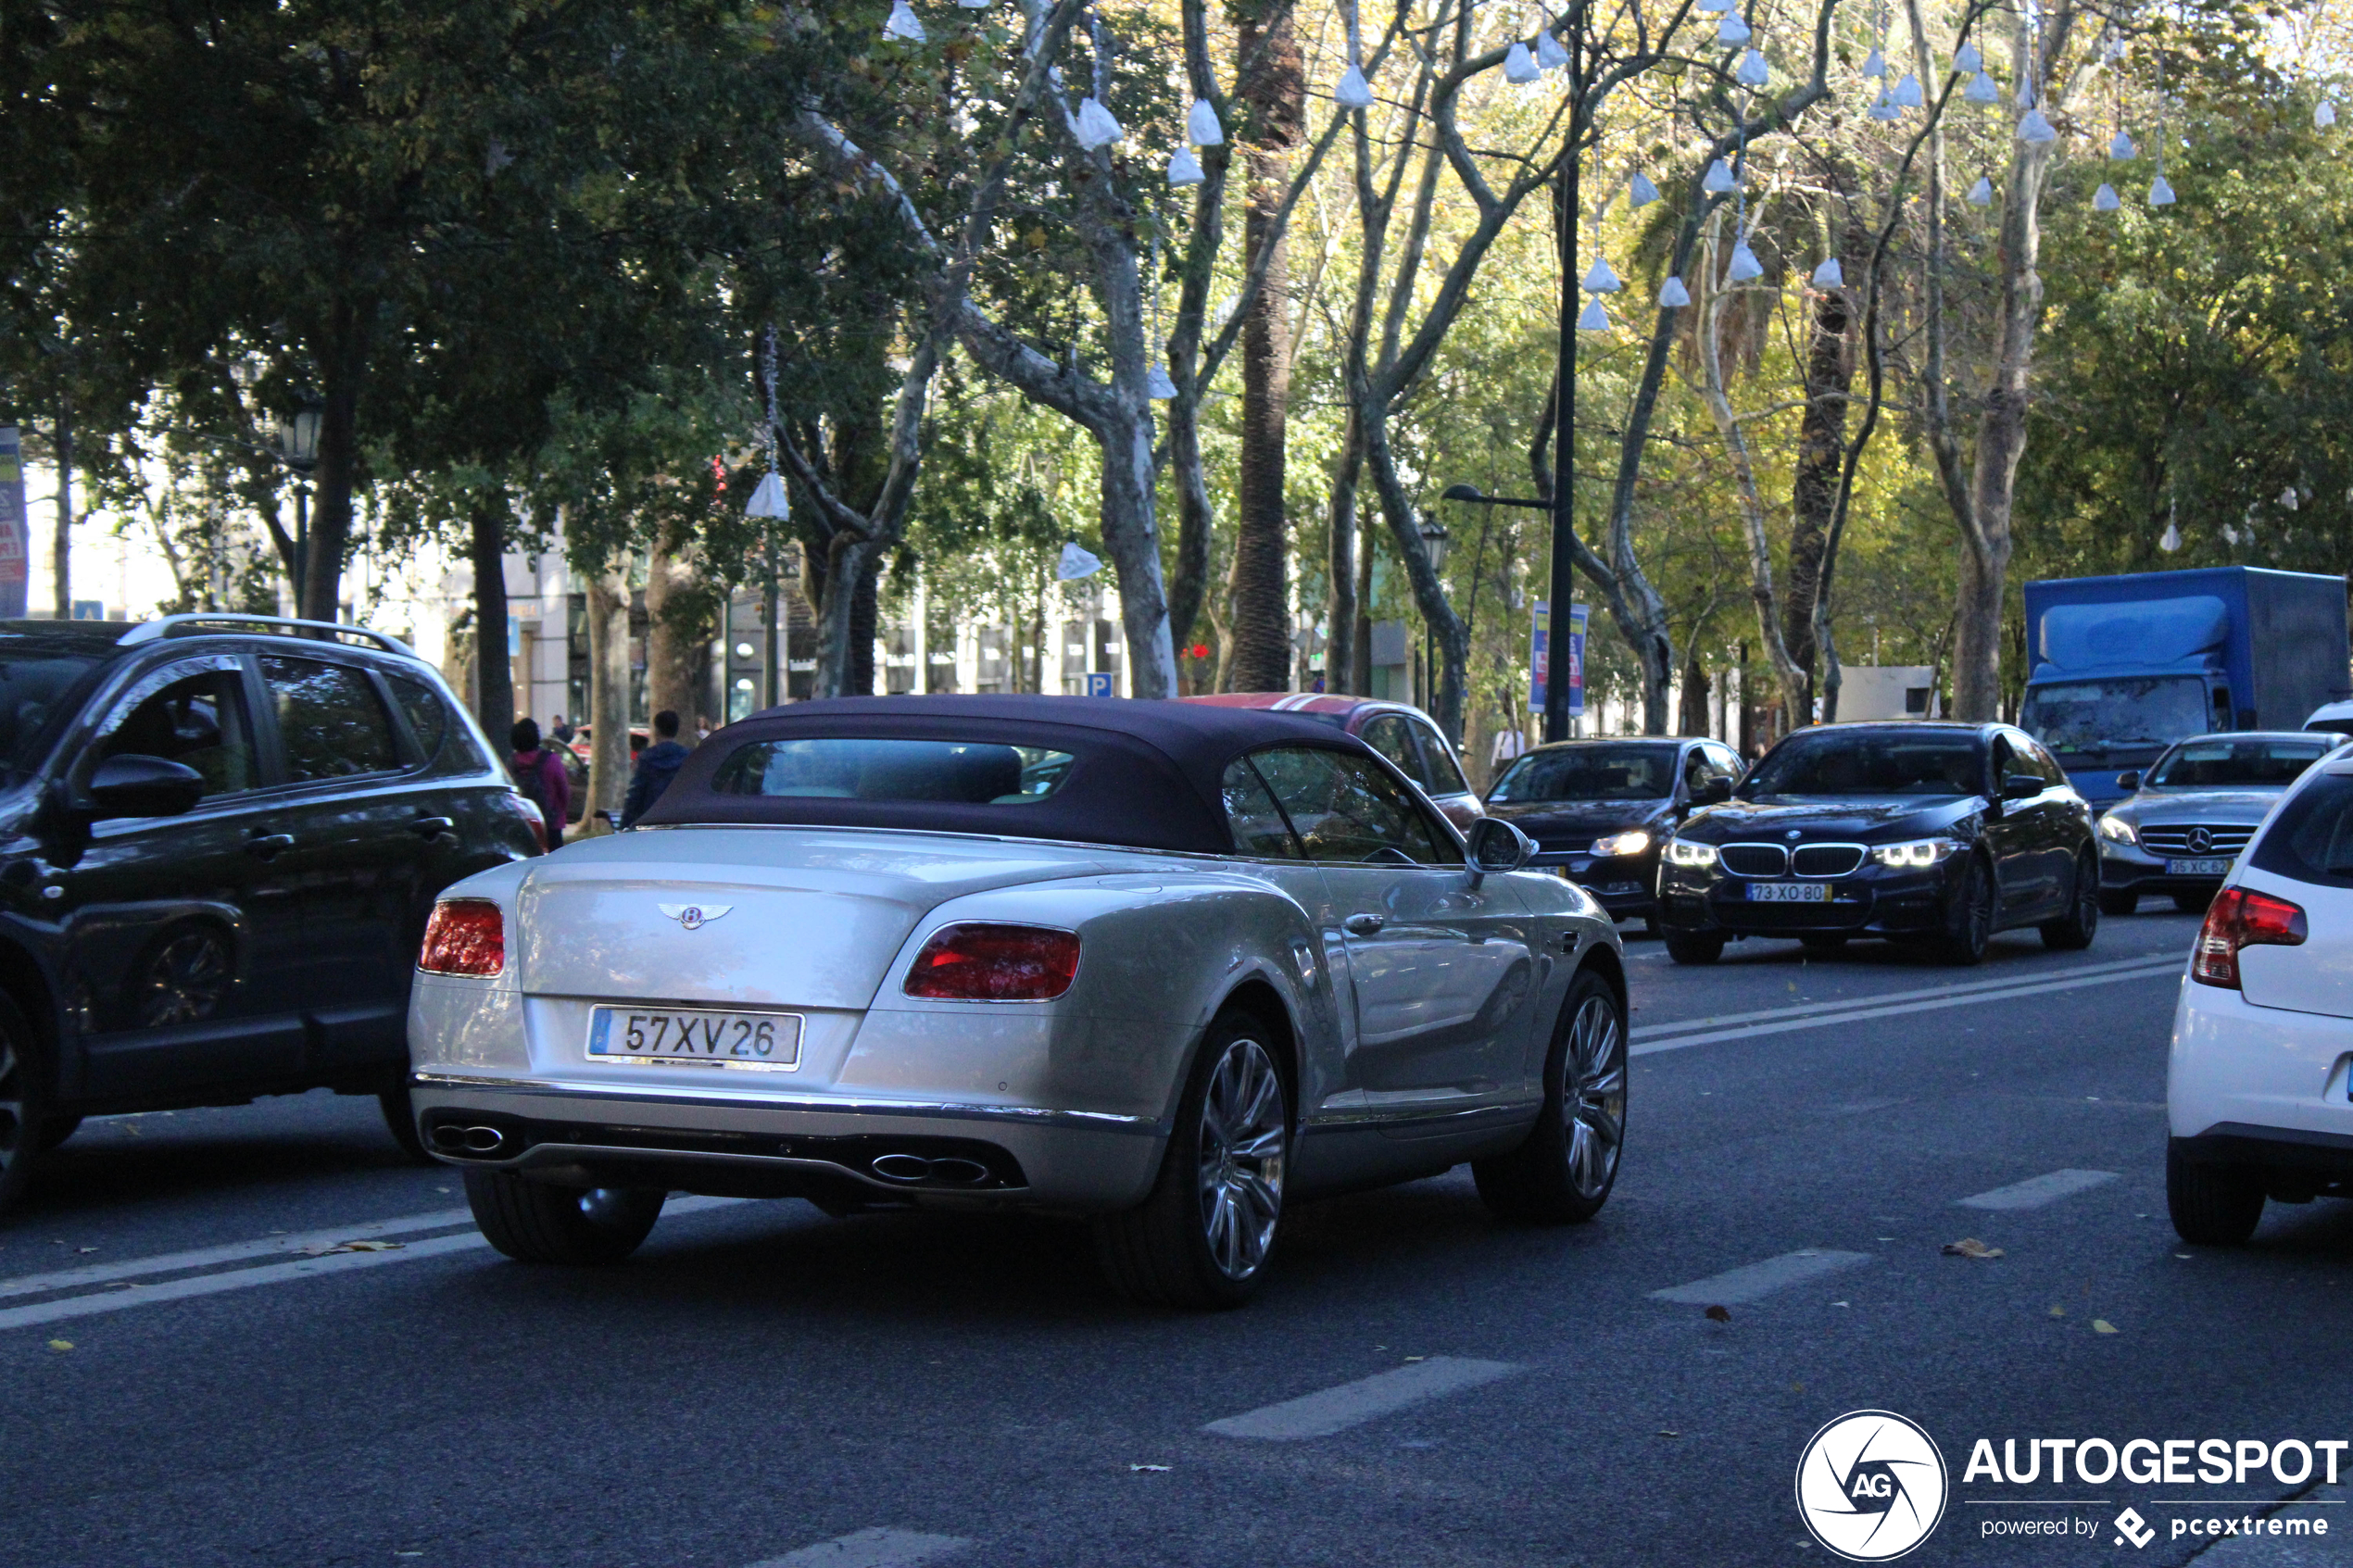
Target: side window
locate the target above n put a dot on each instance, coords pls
(1389, 735)
(1440, 776)
(328, 721)
(199, 721)
(1346, 809)
(2045, 763)
(1727, 764)
(1257, 823)
(428, 720)
(1696, 772)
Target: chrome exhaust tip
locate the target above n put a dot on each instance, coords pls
(900, 1167)
(961, 1172)
(484, 1141)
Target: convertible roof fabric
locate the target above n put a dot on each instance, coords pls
(1147, 774)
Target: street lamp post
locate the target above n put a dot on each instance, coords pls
(1434, 541)
(297, 447)
(1564, 509)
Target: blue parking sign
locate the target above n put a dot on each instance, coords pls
(1099, 685)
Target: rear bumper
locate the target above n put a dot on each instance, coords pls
(2258, 1085)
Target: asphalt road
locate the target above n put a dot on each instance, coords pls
(762, 1382)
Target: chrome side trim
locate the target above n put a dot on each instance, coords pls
(1391, 1116)
(544, 1154)
(1025, 1115)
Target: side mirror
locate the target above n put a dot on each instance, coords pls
(2022, 787)
(133, 785)
(1714, 791)
(2129, 780)
(1497, 846)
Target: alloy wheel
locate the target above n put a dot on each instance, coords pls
(1244, 1141)
(15, 1139)
(1594, 1095)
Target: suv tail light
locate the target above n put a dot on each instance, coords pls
(528, 810)
(995, 963)
(2239, 918)
(465, 936)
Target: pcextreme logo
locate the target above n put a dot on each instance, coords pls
(1871, 1486)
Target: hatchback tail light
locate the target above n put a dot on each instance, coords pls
(465, 936)
(2239, 918)
(995, 963)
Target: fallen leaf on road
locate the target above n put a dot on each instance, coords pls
(1969, 1247)
(1153, 1468)
(1664, 1433)
(61, 1345)
(2101, 1325)
(324, 1247)
(2183, 1254)
(85, 1250)
(2058, 1310)
(1719, 1315)
(1841, 1304)
(1418, 1358)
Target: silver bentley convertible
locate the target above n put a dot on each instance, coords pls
(1169, 967)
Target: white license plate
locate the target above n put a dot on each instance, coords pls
(2216, 866)
(747, 1042)
(1789, 893)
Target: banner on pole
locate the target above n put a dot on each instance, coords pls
(14, 534)
(1540, 657)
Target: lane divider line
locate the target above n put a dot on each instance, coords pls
(1753, 1282)
(2002, 983)
(869, 1548)
(2038, 1191)
(206, 1257)
(1351, 1404)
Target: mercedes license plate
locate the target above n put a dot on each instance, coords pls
(1789, 893)
(2219, 865)
(747, 1042)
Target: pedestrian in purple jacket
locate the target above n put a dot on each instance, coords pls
(539, 773)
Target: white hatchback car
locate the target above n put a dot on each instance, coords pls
(2259, 1085)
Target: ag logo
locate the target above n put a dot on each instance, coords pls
(1871, 1486)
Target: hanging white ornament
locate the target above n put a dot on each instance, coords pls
(1076, 563)
(2324, 114)
(2104, 199)
(2173, 539)
(1096, 126)
(1639, 191)
(1550, 56)
(2288, 498)
(1754, 71)
(2122, 147)
(1593, 318)
(903, 24)
(2035, 130)
(1200, 124)
(1743, 266)
(975, 4)
(1600, 278)
(1673, 295)
(1965, 60)
(1982, 194)
(1731, 31)
(2230, 535)
(1713, 7)
(1980, 90)
(1354, 92)
(1907, 92)
(1157, 383)
(1519, 66)
(1830, 275)
(1184, 169)
(768, 499)
(1875, 66)
(2160, 192)
(1883, 108)
(1719, 178)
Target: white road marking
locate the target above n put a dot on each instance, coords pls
(1351, 1404)
(206, 1257)
(271, 1274)
(869, 1549)
(2040, 1190)
(1820, 1015)
(1753, 1282)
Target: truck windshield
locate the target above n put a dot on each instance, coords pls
(2124, 710)
(2217, 763)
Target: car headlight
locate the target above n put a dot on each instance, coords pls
(2118, 829)
(1630, 843)
(1683, 852)
(1914, 852)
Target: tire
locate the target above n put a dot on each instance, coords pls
(2119, 903)
(24, 1103)
(1564, 1172)
(400, 1121)
(1968, 919)
(1204, 1236)
(2193, 903)
(551, 1225)
(57, 1130)
(1824, 941)
(1687, 946)
(2073, 931)
(2212, 1204)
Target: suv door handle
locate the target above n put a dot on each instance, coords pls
(1365, 925)
(265, 846)
(430, 827)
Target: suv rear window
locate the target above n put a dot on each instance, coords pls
(2310, 839)
(966, 772)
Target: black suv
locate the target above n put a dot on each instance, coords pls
(220, 838)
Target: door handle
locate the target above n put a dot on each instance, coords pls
(1365, 925)
(430, 827)
(265, 846)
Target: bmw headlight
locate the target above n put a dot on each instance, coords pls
(1914, 853)
(1683, 852)
(1630, 843)
(2118, 829)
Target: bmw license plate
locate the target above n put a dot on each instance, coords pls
(2219, 865)
(1789, 893)
(747, 1042)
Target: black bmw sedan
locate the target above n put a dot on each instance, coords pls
(1599, 809)
(1936, 834)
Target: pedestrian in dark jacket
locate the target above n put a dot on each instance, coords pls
(539, 772)
(657, 765)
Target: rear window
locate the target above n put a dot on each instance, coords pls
(2311, 839)
(966, 772)
(2236, 764)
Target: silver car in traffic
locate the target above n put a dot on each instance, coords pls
(1171, 968)
(2178, 833)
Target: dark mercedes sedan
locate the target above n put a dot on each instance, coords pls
(1600, 809)
(1936, 834)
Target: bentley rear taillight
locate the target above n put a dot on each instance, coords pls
(2242, 919)
(465, 936)
(995, 963)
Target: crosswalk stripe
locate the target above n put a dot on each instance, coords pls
(1753, 1282)
(206, 1257)
(2034, 1193)
(869, 1548)
(1351, 1404)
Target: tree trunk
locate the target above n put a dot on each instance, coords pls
(1822, 453)
(493, 674)
(1693, 720)
(865, 625)
(670, 637)
(1342, 671)
(61, 548)
(607, 692)
(341, 368)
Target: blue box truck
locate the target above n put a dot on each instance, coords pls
(2119, 668)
